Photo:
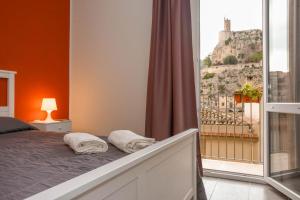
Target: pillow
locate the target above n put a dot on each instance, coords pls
(9, 124)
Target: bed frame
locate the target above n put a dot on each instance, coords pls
(9, 109)
(164, 171)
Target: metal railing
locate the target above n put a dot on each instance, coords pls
(230, 130)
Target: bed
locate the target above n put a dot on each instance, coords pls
(37, 165)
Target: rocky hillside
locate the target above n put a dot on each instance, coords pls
(245, 46)
(226, 79)
(235, 60)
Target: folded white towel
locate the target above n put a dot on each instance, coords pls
(128, 141)
(85, 143)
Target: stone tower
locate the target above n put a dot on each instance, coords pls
(226, 33)
(227, 25)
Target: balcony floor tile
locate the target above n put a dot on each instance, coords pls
(236, 167)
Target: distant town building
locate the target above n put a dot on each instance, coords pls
(281, 87)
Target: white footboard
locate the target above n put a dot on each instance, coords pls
(163, 171)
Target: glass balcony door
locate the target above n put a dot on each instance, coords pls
(282, 99)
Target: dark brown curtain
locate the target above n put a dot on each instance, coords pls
(171, 99)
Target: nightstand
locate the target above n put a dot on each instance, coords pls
(57, 126)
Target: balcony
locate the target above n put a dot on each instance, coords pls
(231, 138)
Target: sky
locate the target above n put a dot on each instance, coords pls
(244, 14)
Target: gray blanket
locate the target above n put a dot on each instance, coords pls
(33, 161)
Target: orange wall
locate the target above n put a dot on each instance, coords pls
(3, 92)
(34, 41)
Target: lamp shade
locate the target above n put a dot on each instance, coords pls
(48, 104)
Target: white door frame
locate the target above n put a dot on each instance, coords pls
(208, 172)
(293, 108)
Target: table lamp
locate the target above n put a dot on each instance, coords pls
(49, 105)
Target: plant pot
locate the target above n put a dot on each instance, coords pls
(239, 98)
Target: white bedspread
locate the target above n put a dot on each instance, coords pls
(85, 143)
(128, 141)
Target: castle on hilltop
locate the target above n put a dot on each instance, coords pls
(225, 34)
(241, 44)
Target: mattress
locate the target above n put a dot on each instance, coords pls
(33, 161)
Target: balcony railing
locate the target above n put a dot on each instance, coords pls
(230, 130)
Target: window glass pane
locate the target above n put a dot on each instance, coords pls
(284, 47)
(285, 149)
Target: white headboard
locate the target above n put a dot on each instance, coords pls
(9, 110)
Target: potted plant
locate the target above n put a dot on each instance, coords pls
(248, 94)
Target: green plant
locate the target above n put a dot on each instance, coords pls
(207, 61)
(250, 91)
(241, 56)
(230, 60)
(255, 57)
(209, 75)
(228, 41)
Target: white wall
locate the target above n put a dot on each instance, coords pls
(110, 43)
(109, 56)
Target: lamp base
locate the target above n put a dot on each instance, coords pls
(49, 118)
